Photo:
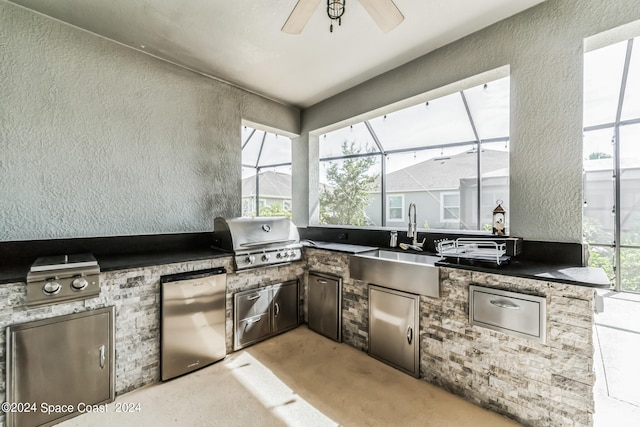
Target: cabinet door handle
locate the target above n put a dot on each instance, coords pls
(322, 282)
(409, 335)
(253, 297)
(277, 307)
(101, 356)
(251, 321)
(505, 304)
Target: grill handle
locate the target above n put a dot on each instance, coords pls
(266, 242)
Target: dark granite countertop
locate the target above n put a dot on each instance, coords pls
(337, 247)
(125, 261)
(567, 274)
(18, 273)
(192, 247)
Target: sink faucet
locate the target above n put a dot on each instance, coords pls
(412, 231)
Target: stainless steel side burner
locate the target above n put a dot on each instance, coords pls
(60, 278)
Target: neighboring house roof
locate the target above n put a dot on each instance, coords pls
(445, 172)
(434, 174)
(607, 164)
(272, 185)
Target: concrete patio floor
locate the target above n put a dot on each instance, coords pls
(296, 393)
(617, 360)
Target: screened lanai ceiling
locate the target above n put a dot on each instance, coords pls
(264, 149)
(240, 41)
(459, 119)
(480, 113)
(612, 98)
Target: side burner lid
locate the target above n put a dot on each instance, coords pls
(61, 262)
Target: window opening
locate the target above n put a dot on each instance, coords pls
(266, 173)
(611, 165)
(450, 203)
(457, 144)
(395, 208)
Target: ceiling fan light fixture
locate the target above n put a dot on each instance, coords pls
(335, 10)
(384, 12)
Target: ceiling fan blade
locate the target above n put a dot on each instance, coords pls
(299, 16)
(384, 12)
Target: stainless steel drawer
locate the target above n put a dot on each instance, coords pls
(252, 329)
(252, 303)
(509, 312)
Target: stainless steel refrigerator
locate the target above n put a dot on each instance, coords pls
(192, 326)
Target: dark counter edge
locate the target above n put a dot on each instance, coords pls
(564, 274)
(590, 277)
(112, 253)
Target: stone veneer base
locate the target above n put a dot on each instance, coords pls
(135, 293)
(535, 384)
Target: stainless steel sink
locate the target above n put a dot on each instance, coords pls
(403, 271)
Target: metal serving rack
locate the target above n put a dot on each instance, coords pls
(484, 250)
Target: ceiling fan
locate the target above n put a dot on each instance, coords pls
(384, 12)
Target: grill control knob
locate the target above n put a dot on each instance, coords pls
(279, 255)
(265, 257)
(79, 284)
(250, 259)
(51, 288)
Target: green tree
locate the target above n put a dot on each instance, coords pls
(348, 190)
(275, 210)
(598, 155)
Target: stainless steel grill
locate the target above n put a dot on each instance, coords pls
(258, 242)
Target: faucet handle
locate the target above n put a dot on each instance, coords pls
(421, 244)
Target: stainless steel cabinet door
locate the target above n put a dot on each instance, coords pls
(65, 360)
(325, 306)
(285, 306)
(393, 328)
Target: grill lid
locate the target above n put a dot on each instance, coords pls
(245, 234)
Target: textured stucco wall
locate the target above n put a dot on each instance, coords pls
(305, 180)
(97, 139)
(543, 48)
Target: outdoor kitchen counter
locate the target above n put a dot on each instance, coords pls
(125, 261)
(567, 274)
(337, 247)
(112, 262)
(571, 275)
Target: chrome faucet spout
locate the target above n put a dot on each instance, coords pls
(412, 230)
